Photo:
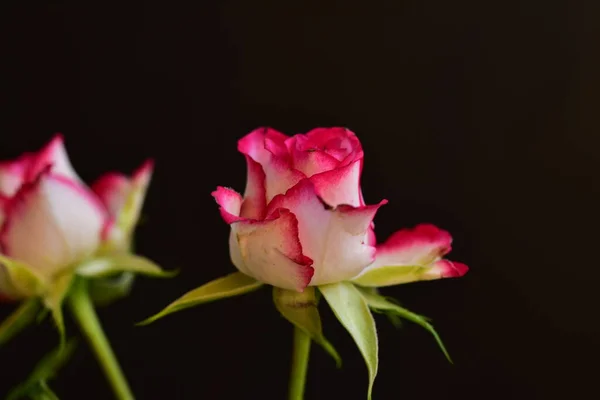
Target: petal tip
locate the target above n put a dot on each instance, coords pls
(144, 170)
(230, 203)
(456, 270)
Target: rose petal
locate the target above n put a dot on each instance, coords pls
(140, 181)
(279, 174)
(54, 154)
(411, 255)
(124, 197)
(51, 223)
(340, 143)
(3, 204)
(270, 251)
(337, 240)
(254, 205)
(311, 162)
(341, 185)
(13, 174)
(445, 269)
(230, 203)
(112, 189)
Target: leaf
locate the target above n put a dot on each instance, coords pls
(53, 299)
(390, 275)
(122, 262)
(18, 320)
(351, 309)
(23, 279)
(228, 286)
(36, 384)
(301, 310)
(381, 303)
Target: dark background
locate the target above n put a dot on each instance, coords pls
(480, 117)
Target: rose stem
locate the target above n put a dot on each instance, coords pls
(83, 310)
(299, 364)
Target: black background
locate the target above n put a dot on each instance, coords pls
(480, 117)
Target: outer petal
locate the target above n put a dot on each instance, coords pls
(411, 255)
(337, 240)
(264, 145)
(254, 205)
(124, 197)
(54, 154)
(112, 189)
(341, 185)
(140, 181)
(270, 251)
(3, 204)
(230, 203)
(13, 174)
(52, 223)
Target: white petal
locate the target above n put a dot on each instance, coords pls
(52, 224)
(336, 240)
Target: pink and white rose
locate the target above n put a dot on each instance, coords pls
(302, 220)
(51, 221)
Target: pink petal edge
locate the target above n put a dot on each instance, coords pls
(286, 224)
(11, 205)
(230, 203)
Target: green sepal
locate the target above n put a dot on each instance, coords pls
(351, 309)
(53, 300)
(112, 264)
(36, 385)
(104, 291)
(231, 285)
(394, 318)
(23, 280)
(22, 317)
(301, 310)
(388, 305)
(43, 392)
(390, 275)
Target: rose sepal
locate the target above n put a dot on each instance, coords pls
(231, 285)
(301, 309)
(36, 385)
(390, 307)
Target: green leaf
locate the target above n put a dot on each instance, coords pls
(228, 286)
(351, 309)
(23, 279)
(301, 310)
(122, 262)
(378, 302)
(53, 299)
(18, 320)
(36, 384)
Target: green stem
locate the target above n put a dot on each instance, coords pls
(299, 364)
(18, 320)
(45, 393)
(83, 310)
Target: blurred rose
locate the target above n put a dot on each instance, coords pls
(51, 221)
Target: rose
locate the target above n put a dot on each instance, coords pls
(302, 225)
(51, 222)
(302, 220)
